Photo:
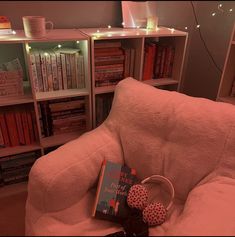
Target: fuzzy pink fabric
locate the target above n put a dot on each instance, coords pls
(189, 140)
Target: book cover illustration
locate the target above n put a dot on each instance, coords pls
(114, 183)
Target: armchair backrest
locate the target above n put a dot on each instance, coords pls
(163, 132)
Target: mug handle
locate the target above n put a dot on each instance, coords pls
(51, 25)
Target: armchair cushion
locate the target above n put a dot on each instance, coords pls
(188, 140)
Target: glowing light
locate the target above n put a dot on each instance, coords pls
(213, 14)
(172, 30)
(220, 5)
(109, 26)
(13, 32)
(123, 23)
(198, 26)
(59, 46)
(230, 9)
(29, 47)
(185, 27)
(109, 35)
(77, 42)
(46, 54)
(97, 31)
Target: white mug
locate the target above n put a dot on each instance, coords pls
(35, 26)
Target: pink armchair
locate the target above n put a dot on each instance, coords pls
(189, 140)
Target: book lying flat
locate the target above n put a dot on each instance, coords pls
(114, 183)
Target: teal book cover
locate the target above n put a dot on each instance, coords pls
(114, 183)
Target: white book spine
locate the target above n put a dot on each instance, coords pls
(44, 71)
(59, 70)
(49, 72)
(63, 63)
(54, 71)
(34, 72)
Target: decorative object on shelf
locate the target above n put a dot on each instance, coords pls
(5, 26)
(35, 26)
(152, 22)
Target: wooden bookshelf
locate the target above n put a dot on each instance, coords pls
(227, 82)
(136, 39)
(21, 47)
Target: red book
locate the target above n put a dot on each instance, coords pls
(30, 125)
(158, 61)
(145, 68)
(151, 60)
(35, 128)
(25, 127)
(12, 128)
(3, 127)
(20, 127)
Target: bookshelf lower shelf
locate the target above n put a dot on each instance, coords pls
(104, 89)
(41, 96)
(18, 150)
(161, 82)
(16, 100)
(227, 99)
(60, 139)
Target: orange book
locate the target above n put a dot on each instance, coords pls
(30, 125)
(20, 127)
(25, 127)
(12, 128)
(3, 127)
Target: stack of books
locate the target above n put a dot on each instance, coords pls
(112, 62)
(158, 61)
(16, 168)
(62, 116)
(57, 69)
(18, 127)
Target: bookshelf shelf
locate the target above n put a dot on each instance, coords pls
(226, 91)
(16, 100)
(228, 99)
(49, 95)
(18, 149)
(161, 82)
(60, 139)
(104, 89)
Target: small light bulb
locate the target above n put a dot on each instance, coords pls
(97, 31)
(185, 27)
(77, 42)
(198, 26)
(13, 32)
(213, 14)
(230, 9)
(123, 23)
(46, 54)
(109, 26)
(59, 46)
(220, 5)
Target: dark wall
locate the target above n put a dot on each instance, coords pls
(201, 77)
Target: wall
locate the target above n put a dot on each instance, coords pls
(201, 77)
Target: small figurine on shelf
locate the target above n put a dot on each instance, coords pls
(5, 26)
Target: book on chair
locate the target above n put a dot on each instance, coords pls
(114, 183)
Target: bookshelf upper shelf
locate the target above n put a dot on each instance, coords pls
(106, 33)
(52, 35)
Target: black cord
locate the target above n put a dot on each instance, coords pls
(200, 34)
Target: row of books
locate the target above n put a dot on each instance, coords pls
(158, 60)
(18, 127)
(62, 116)
(11, 78)
(57, 69)
(112, 62)
(103, 106)
(16, 168)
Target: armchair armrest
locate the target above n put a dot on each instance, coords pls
(61, 178)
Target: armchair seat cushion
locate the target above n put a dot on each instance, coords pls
(189, 140)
